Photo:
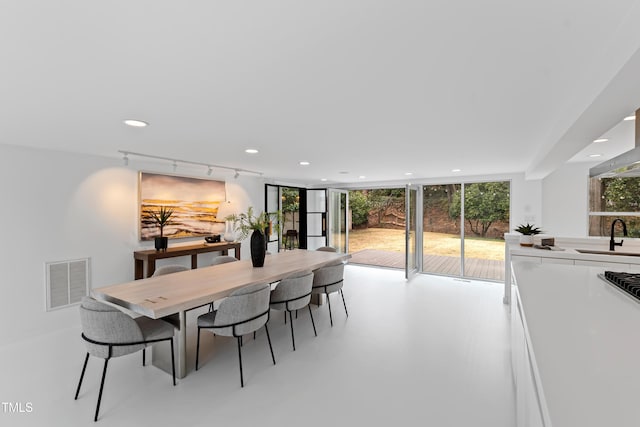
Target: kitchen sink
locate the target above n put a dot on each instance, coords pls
(590, 251)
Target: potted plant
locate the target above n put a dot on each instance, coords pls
(161, 217)
(528, 231)
(260, 226)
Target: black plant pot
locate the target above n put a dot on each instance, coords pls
(162, 243)
(258, 248)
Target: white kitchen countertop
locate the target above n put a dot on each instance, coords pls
(585, 340)
(570, 250)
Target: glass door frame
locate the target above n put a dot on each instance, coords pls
(335, 209)
(413, 230)
(302, 214)
(313, 216)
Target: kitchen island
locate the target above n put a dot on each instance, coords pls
(575, 348)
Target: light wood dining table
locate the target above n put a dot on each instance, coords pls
(176, 293)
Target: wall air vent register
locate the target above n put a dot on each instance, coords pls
(66, 282)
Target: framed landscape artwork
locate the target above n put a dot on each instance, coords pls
(194, 202)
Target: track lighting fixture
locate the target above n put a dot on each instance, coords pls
(210, 167)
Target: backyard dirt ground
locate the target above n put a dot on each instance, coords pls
(434, 243)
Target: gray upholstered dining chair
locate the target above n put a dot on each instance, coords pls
(109, 332)
(326, 249)
(327, 280)
(293, 293)
(223, 259)
(169, 269)
(244, 311)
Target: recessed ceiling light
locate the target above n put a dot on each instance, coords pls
(343, 172)
(323, 179)
(408, 173)
(304, 163)
(251, 151)
(136, 123)
(630, 118)
(601, 140)
(362, 177)
(456, 170)
(595, 155)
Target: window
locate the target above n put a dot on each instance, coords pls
(611, 198)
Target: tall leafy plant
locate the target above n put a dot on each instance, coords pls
(246, 223)
(161, 217)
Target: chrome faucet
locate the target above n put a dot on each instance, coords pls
(612, 242)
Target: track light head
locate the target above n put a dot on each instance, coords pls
(237, 174)
(125, 159)
(175, 165)
(209, 171)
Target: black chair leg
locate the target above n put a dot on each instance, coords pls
(312, 322)
(270, 347)
(329, 304)
(84, 368)
(344, 303)
(104, 373)
(173, 363)
(240, 360)
(143, 355)
(197, 348)
(285, 317)
(293, 339)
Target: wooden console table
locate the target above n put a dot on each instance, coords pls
(149, 257)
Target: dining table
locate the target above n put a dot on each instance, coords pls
(171, 296)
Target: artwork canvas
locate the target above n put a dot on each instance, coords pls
(194, 202)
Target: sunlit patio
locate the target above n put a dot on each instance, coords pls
(484, 258)
(446, 265)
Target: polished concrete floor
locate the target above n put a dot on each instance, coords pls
(430, 352)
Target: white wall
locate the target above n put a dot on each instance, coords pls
(526, 202)
(565, 200)
(59, 206)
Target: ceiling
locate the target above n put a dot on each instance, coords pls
(373, 88)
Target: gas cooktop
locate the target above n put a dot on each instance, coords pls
(626, 282)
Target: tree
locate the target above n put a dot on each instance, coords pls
(381, 199)
(290, 203)
(484, 204)
(621, 194)
(360, 206)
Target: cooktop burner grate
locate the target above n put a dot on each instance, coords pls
(627, 282)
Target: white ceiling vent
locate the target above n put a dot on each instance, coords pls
(67, 282)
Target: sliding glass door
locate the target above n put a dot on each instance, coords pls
(486, 219)
(464, 225)
(442, 245)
